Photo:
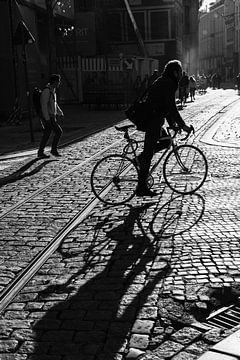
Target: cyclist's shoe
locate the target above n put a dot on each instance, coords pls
(55, 153)
(43, 156)
(145, 191)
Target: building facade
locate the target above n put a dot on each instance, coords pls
(237, 37)
(190, 36)
(219, 31)
(26, 45)
(168, 29)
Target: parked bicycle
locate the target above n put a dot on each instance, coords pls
(114, 177)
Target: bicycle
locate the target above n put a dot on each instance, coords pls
(114, 177)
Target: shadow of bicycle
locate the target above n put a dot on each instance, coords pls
(177, 215)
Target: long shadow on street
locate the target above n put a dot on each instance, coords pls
(22, 172)
(95, 322)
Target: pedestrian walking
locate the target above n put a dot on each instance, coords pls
(192, 87)
(145, 83)
(214, 81)
(218, 80)
(238, 83)
(137, 86)
(161, 98)
(183, 88)
(50, 112)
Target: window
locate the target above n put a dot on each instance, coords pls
(114, 23)
(140, 21)
(159, 25)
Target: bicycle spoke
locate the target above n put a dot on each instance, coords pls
(177, 215)
(116, 176)
(185, 169)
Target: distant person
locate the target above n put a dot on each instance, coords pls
(218, 81)
(137, 86)
(192, 87)
(50, 113)
(208, 77)
(238, 83)
(183, 88)
(161, 98)
(214, 81)
(145, 83)
(203, 84)
(153, 77)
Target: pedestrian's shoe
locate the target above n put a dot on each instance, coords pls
(145, 191)
(55, 153)
(43, 156)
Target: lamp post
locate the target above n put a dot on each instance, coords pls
(50, 7)
(10, 5)
(23, 37)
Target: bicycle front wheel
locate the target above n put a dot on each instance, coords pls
(185, 169)
(114, 179)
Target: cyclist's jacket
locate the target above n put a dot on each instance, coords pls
(161, 97)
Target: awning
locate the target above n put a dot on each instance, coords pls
(22, 35)
(21, 32)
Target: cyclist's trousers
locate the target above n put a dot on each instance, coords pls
(152, 144)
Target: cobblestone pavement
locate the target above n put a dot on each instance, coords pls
(119, 286)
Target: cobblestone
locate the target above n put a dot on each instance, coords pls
(108, 293)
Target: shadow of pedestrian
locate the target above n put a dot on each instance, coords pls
(96, 318)
(22, 172)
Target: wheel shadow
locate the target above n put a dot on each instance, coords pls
(22, 172)
(177, 216)
(100, 308)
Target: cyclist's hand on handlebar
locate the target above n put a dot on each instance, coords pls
(175, 128)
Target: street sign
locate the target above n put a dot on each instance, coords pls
(128, 64)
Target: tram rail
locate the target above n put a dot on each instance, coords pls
(25, 274)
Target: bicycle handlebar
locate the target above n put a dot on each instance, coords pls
(178, 130)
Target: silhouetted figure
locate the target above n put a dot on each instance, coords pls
(161, 98)
(145, 83)
(214, 81)
(218, 81)
(50, 113)
(183, 88)
(137, 86)
(192, 87)
(238, 83)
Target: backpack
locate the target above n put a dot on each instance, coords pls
(36, 100)
(140, 112)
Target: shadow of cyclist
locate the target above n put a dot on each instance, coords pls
(97, 315)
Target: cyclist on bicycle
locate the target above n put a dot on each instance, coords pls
(161, 97)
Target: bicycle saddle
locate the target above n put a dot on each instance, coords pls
(124, 128)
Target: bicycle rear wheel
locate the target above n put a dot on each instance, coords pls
(185, 169)
(114, 179)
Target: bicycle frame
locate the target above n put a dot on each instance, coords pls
(132, 146)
